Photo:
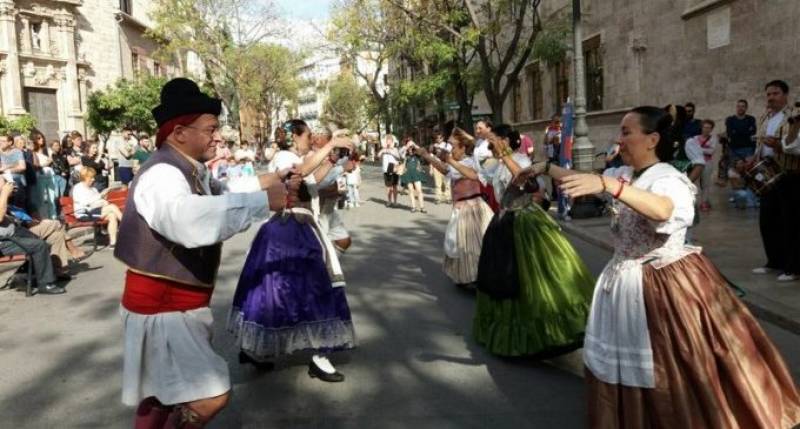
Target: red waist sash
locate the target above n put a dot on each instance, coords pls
(149, 295)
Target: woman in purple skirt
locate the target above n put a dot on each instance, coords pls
(290, 295)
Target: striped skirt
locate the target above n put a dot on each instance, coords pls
(474, 216)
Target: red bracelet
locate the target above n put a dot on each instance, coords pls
(621, 187)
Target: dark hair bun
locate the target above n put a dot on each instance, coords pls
(657, 120)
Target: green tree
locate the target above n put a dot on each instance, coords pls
(220, 32)
(346, 103)
(269, 79)
(127, 103)
(362, 32)
(22, 124)
(500, 34)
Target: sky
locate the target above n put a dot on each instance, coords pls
(305, 9)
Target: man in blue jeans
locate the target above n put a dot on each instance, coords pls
(741, 130)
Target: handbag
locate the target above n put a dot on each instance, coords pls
(400, 169)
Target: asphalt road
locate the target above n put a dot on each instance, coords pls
(416, 366)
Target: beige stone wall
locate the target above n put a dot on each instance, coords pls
(656, 52)
(100, 41)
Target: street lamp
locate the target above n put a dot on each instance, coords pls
(583, 149)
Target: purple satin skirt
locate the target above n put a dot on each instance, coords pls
(284, 301)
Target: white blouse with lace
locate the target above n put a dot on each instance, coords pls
(617, 347)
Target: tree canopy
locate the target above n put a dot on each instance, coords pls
(127, 103)
(221, 32)
(346, 103)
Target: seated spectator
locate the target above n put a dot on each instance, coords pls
(100, 164)
(91, 205)
(12, 166)
(16, 240)
(62, 249)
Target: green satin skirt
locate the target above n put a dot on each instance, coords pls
(548, 314)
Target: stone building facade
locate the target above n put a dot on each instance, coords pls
(657, 52)
(53, 53)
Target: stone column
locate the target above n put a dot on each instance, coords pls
(25, 36)
(12, 83)
(44, 36)
(66, 42)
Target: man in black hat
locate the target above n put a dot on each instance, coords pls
(171, 235)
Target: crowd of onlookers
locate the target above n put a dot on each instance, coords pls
(44, 182)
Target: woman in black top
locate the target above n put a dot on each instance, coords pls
(60, 168)
(99, 163)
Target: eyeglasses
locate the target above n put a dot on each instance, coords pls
(207, 131)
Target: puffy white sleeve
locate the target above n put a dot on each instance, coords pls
(677, 188)
(165, 201)
(242, 184)
(791, 147)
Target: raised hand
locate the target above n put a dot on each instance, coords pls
(578, 185)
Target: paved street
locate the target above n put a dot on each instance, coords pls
(416, 364)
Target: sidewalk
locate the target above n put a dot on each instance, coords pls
(731, 238)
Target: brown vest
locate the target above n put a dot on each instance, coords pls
(147, 252)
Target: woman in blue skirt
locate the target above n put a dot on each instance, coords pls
(290, 295)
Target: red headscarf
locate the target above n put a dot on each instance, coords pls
(165, 130)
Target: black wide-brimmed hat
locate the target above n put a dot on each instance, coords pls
(182, 96)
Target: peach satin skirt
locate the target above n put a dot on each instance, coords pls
(714, 365)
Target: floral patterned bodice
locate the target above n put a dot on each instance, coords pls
(636, 237)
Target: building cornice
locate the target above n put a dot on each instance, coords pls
(702, 7)
(125, 18)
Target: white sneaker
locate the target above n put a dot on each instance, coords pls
(761, 270)
(787, 277)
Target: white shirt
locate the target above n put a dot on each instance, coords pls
(791, 148)
(286, 159)
(245, 154)
(390, 156)
(485, 163)
(443, 147)
(694, 152)
(165, 200)
(482, 151)
(85, 198)
(773, 127)
(453, 174)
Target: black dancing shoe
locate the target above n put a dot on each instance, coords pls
(262, 366)
(51, 289)
(316, 372)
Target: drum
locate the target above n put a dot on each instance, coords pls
(763, 176)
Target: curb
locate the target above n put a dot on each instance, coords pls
(762, 307)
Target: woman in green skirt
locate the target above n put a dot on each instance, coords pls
(534, 291)
(413, 176)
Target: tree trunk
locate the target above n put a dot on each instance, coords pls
(387, 118)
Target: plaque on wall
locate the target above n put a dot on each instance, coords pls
(719, 27)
